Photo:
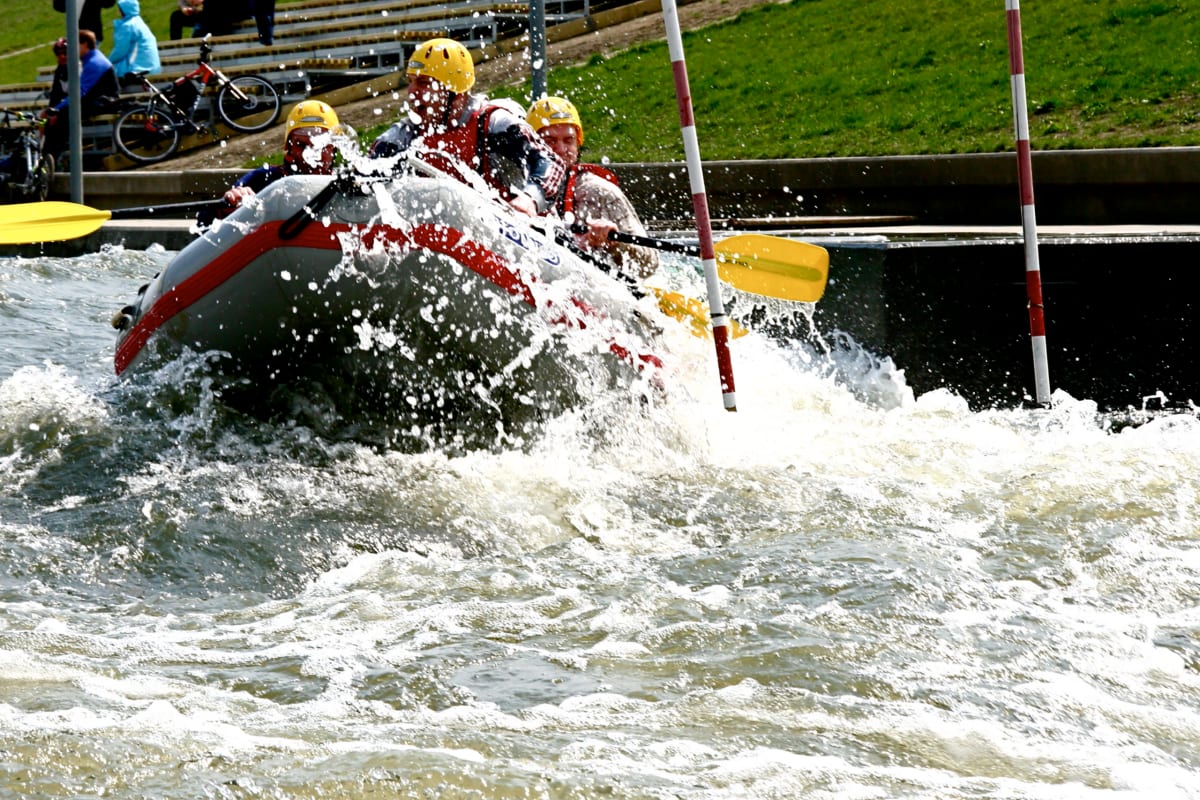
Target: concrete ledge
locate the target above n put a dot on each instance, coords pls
(1077, 187)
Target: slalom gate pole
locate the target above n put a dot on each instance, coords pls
(691, 146)
(1033, 272)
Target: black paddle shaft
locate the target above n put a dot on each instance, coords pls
(645, 241)
(165, 209)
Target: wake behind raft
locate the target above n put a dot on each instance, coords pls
(415, 296)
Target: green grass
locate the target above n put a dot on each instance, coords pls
(33, 26)
(820, 78)
(876, 77)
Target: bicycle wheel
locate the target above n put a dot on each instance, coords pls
(248, 104)
(146, 135)
(39, 181)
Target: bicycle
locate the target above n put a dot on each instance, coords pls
(25, 174)
(151, 131)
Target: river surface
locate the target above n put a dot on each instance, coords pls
(841, 591)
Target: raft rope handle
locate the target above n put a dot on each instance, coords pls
(343, 182)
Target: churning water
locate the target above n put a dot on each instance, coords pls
(841, 591)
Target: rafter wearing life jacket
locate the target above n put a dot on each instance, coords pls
(470, 143)
(566, 200)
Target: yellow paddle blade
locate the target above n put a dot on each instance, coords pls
(773, 266)
(52, 221)
(693, 312)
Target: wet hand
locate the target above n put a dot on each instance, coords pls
(238, 195)
(598, 231)
(524, 203)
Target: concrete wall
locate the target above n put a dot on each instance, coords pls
(1093, 187)
(1080, 187)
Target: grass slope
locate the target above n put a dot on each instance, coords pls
(814, 78)
(819, 78)
(30, 27)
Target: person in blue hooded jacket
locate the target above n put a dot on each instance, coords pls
(98, 91)
(134, 47)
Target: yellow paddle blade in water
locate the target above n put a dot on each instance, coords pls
(51, 221)
(692, 312)
(773, 266)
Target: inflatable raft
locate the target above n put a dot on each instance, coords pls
(413, 295)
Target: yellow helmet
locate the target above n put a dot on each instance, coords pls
(312, 114)
(446, 61)
(554, 111)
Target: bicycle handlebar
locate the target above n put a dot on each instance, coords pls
(21, 115)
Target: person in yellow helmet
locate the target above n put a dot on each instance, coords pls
(455, 130)
(308, 149)
(591, 194)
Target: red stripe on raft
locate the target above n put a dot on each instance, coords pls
(436, 238)
(1016, 59)
(683, 94)
(451, 242)
(219, 270)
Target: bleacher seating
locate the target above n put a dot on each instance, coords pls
(320, 46)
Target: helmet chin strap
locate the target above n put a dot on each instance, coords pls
(450, 98)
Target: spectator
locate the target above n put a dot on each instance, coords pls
(60, 83)
(98, 92)
(222, 16)
(89, 14)
(264, 18)
(189, 14)
(135, 50)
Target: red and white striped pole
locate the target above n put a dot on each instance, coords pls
(1033, 272)
(691, 147)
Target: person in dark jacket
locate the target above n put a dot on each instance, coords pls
(98, 92)
(264, 19)
(89, 14)
(308, 149)
(222, 16)
(190, 14)
(59, 84)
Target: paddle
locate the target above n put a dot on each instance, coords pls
(678, 306)
(189, 207)
(58, 221)
(753, 262)
(51, 221)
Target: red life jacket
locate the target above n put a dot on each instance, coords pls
(464, 144)
(566, 200)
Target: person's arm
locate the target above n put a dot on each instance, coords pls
(122, 47)
(603, 207)
(89, 76)
(392, 142)
(544, 172)
(242, 190)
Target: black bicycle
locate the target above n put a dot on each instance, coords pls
(25, 173)
(151, 131)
